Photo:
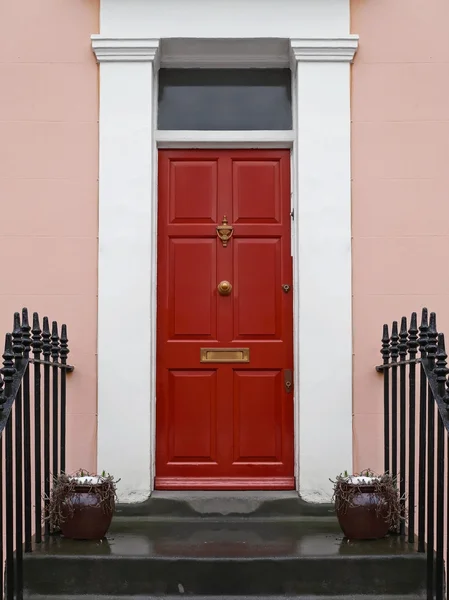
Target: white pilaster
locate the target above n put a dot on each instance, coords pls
(127, 253)
(322, 240)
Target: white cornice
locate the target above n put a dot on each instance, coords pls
(118, 49)
(341, 49)
(222, 53)
(225, 53)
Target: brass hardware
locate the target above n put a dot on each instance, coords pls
(224, 288)
(224, 355)
(288, 380)
(225, 231)
(286, 288)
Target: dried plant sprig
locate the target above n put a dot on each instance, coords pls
(59, 505)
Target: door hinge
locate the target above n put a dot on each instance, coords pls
(292, 214)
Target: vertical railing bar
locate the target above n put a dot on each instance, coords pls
(441, 372)
(431, 352)
(2, 558)
(439, 567)
(46, 347)
(18, 442)
(394, 399)
(430, 492)
(423, 339)
(9, 513)
(413, 346)
(447, 509)
(64, 351)
(26, 340)
(403, 335)
(37, 346)
(55, 396)
(8, 372)
(385, 351)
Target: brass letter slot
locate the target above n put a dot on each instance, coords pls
(224, 355)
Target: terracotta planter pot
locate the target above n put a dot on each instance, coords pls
(365, 518)
(88, 520)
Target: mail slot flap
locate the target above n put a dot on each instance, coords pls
(224, 355)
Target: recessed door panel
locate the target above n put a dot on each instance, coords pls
(192, 305)
(257, 274)
(224, 418)
(256, 191)
(192, 416)
(257, 416)
(193, 191)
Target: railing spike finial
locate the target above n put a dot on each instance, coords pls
(26, 337)
(403, 338)
(413, 336)
(54, 342)
(46, 336)
(8, 369)
(37, 336)
(394, 342)
(423, 332)
(64, 343)
(17, 345)
(432, 343)
(441, 369)
(385, 350)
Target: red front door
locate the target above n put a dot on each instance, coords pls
(224, 413)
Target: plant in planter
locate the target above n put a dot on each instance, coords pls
(81, 505)
(368, 506)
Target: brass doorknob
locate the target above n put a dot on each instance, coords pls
(224, 288)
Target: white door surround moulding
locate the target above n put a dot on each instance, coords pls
(321, 236)
(120, 49)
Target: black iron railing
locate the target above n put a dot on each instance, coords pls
(416, 426)
(32, 428)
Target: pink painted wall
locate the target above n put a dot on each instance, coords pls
(48, 186)
(400, 190)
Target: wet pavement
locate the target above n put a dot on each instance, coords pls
(243, 538)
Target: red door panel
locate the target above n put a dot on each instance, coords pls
(224, 425)
(256, 407)
(192, 397)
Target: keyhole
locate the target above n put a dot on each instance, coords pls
(286, 288)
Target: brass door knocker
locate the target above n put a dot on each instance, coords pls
(225, 231)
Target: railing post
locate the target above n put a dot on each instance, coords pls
(18, 348)
(423, 339)
(386, 375)
(431, 353)
(37, 348)
(55, 419)
(441, 373)
(394, 399)
(46, 349)
(64, 352)
(8, 372)
(26, 340)
(413, 347)
(403, 335)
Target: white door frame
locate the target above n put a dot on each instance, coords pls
(321, 245)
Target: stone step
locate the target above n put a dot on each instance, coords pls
(206, 557)
(191, 504)
(109, 597)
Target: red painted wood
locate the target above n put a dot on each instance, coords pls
(224, 426)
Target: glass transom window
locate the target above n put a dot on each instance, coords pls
(224, 99)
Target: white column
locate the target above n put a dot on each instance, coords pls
(322, 248)
(127, 258)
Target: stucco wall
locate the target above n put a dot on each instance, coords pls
(48, 186)
(400, 190)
